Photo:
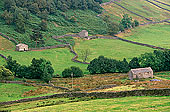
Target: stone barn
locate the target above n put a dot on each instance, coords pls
(140, 73)
(83, 33)
(21, 47)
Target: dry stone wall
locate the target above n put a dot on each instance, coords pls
(144, 92)
(161, 3)
(157, 5)
(9, 38)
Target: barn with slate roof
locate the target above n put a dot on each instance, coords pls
(140, 73)
(83, 33)
(21, 47)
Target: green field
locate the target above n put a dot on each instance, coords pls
(59, 57)
(157, 35)
(115, 49)
(125, 104)
(9, 92)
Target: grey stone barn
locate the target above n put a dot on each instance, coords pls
(21, 47)
(83, 33)
(140, 73)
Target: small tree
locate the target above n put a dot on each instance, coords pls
(126, 21)
(6, 74)
(76, 71)
(135, 23)
(84, 54)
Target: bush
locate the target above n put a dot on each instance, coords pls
(76, 71)
(6, 74)
(102, 65)
(41, 69)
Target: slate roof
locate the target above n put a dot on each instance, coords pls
(21, 45)
(141, 70)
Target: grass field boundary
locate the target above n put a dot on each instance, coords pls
(38, 84)
(4, 57)
(158, 6)
(9, 38)
(144, 92)
(132, 11)
(74, 59)
(161, 3)
(147, 45)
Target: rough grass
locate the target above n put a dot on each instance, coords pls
(157, 35)
(115, 49)
(58, 24)
(6, 44)
(9, 92)
(59, 57)
(137, 104)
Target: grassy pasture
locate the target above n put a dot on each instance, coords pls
(115, 49)
(9, 92)
(137, 104)
(59, 57)
(157, 35)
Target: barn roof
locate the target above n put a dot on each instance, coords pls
(21, 45)
(141, 70)
(84, 31)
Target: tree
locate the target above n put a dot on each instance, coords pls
(76, 71)
(102, 65)
(84, 54)
(43, 25)
(46, 76)
(8, 17)
(20, 23)
(113, 28)
(126, 21)
(150, 60)
(43, 14)
(123, 66)
(41, 69)
(67, 73)
(134, 63)
(34, 8)
(12, 65)
(36, 36)
(135, 23)
(100, 1)
(6, 74)
(23, 72)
